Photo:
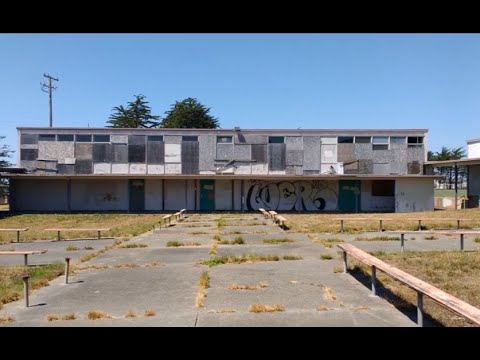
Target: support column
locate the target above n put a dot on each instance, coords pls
(456, 185)
(69, 195)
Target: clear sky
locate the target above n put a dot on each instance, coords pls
(250, 80)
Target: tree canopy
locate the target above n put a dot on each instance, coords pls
(189, 113)
(446, 153)
(5, 153)
(137, 114)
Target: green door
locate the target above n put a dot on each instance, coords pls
(349, 195)
(136, 189)
(207, 195)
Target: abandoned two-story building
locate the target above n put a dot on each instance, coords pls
(119, 169)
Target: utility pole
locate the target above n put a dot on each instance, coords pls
(49, 87)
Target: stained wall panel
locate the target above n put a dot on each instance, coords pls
(207, 152)
(119, 168)
(101, 152)
(84, 166)
(329, 140)
(83, 151)
(119, 153)
(259, 153)
(55, 150)
(173, 168)
(242, 152)
(363, 151)
(365, 166)
(294, 157)
(138, 169)
(156, 169)
(66, 169)
(310, 172)
(28, 154)
(173, 153)
(250, 139)
(381, 168)
(119, 139)
(259, 169)
(277, 157)
(224, 152)
(311, 153)
(136, 153)
(328, 154)
(136, 139)
(294, 142)
(28, 139)
(153, 194)
(102, 168)
(172, 139)
(416, 153)
(345, 153)
(190, 151)
(155, 152)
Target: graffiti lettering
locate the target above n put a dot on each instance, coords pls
(297, 195)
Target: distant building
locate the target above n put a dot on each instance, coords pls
(473, 148)
(112, 169)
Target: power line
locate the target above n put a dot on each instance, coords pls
(50, 88)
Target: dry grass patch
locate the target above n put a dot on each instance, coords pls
(98, 315)
(326, 257)
(259, 285)
(292, 257)
(131, 314)
(125, 265)
(115, 244)
(149, 312)
(153, 264)
(261, 308)
(202, 285)
(238, 259)
(237, 241)
(88, 248)
(324, 223)
(329, 294)
(7, 319)
(328, 243)
(455, 272)
(321, 307)
(121, 225)
(477, 240)
(222, 311)
(72, 248)
(11, 283)
(89, 267)
(57, 317)
(277, 241)
(377, 238)
(133, 246)
(199, 233)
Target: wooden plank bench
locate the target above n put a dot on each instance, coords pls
(462, 233)
(165, 219)
(16, 230)
(421, 287)
(342, 220)
(98, 230)
(439, 219)
(24, 253)
(273, 214)
(182, 212)
(177, 216)
(264, 212)
(281, 221)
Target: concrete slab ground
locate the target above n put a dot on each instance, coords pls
(164, 280)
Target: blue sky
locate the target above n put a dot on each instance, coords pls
(250, 80)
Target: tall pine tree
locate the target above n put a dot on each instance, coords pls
(189, 113)
(137, 114)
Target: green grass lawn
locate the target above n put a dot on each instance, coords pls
(451, 193)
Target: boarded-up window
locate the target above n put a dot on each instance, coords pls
(101, 138)
(224, 139)
(276, 139)
(189, 138)
(28, 139)
(383, 188)
(83, 138)
(363, 139)
(155, 138)
(28, 154)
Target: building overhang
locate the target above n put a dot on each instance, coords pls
(222, 177)
(448, 163)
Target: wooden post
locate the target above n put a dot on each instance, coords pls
(25, 288)
(18, 235)
(374, 280)
(461, 241)
(419, 309)
(345, 269)
(402, 242)
(67, 269)
(58, 235)
(341, 225)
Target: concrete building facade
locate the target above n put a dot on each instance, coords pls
(110, 169)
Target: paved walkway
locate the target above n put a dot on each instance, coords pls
(164, 280)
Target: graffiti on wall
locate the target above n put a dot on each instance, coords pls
(292, 195)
